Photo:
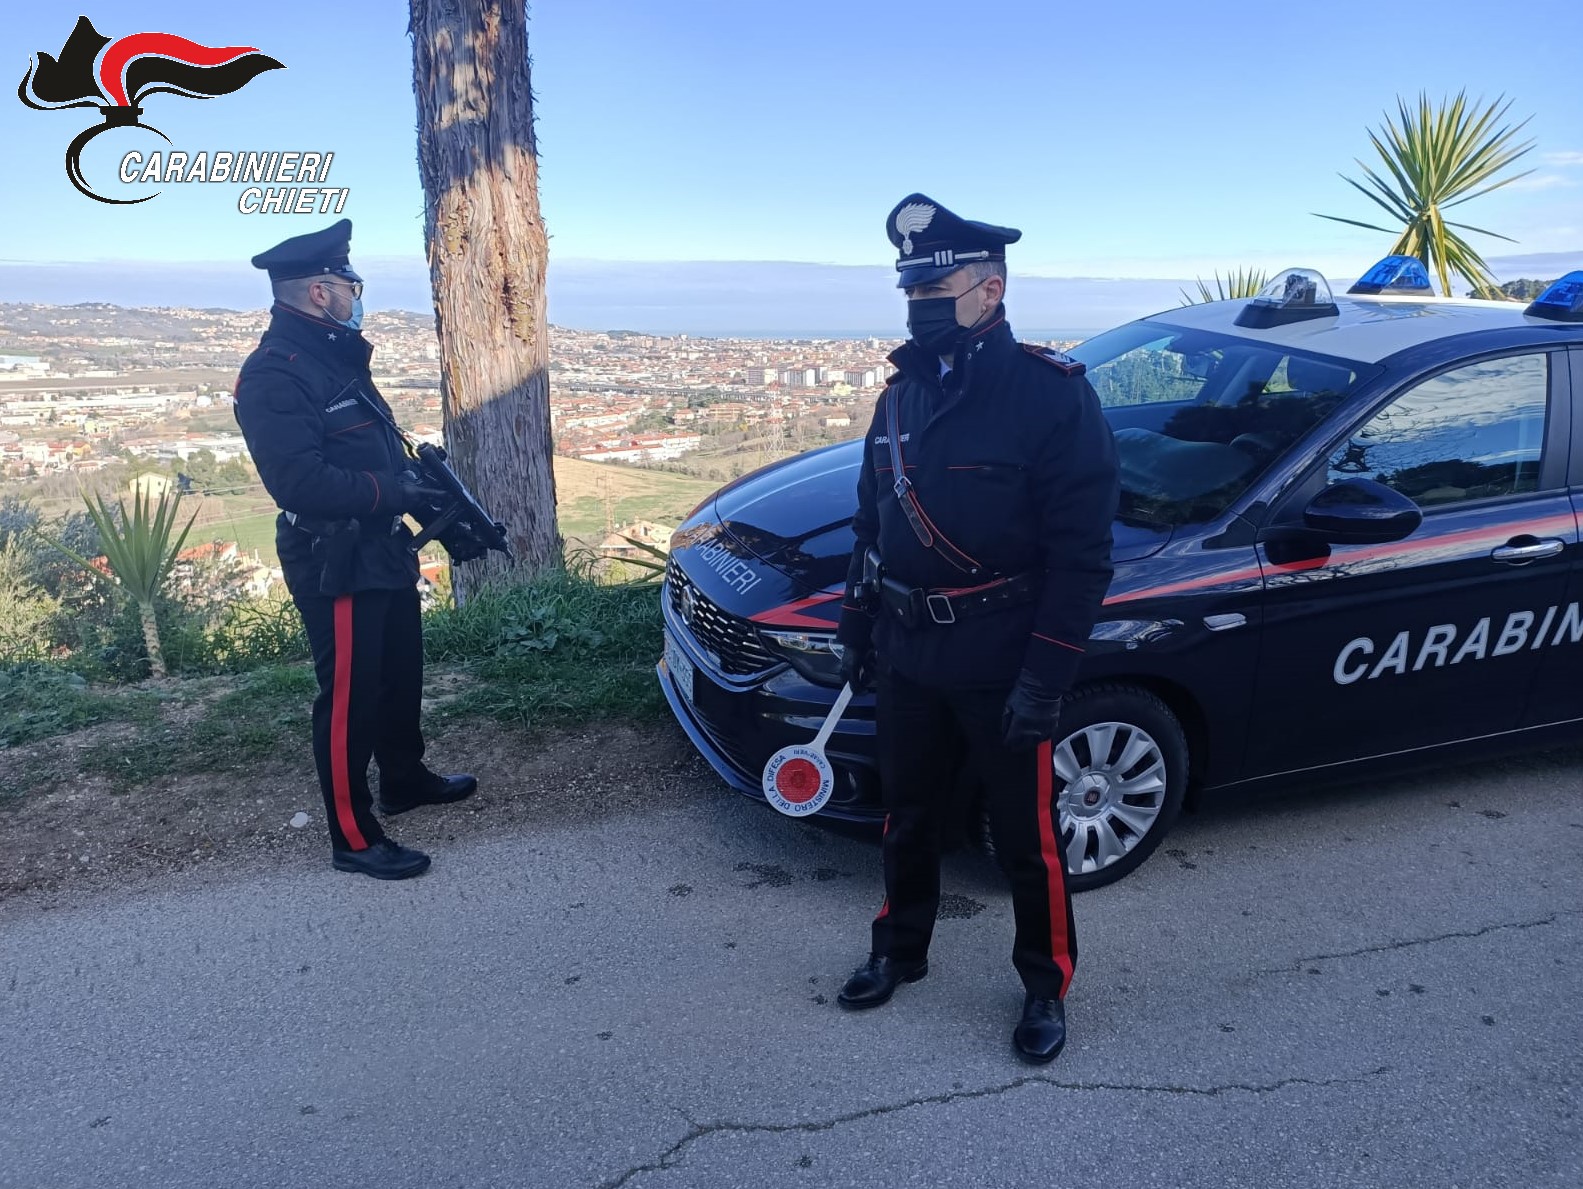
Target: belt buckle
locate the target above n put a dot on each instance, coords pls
(930, 601)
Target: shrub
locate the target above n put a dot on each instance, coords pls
(256, 633)
(560, 646)
(27, 612)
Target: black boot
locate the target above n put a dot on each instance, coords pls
(1041, 1033)
(446, 790)
(874, 982)
(384, 860)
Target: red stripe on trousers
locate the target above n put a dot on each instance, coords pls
(884, 908)
(340, 778)
(1054, 866)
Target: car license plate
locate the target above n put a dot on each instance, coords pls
(679, 667)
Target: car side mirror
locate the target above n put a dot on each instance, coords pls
(1362, 512)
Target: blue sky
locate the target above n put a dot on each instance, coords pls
(1129, 140)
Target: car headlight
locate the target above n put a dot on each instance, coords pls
(815, 655)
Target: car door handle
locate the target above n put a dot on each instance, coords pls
(1223, 623)
(1522, 554)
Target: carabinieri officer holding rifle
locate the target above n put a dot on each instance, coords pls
(983, 528)
(328, 452)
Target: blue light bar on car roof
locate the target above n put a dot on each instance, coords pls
(1396, 275)
(1293, 296)
(1562, 302)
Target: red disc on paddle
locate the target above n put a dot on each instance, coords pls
(798, 780)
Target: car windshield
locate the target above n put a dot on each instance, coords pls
(1199, 416)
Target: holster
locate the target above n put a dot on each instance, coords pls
(867, 591)
(335, 547)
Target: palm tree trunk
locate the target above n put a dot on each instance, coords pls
(487, 254)
(156, 654)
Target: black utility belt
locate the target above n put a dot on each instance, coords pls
(327, 528)
(917, 607)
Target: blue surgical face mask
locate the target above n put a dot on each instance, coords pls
(355, 321)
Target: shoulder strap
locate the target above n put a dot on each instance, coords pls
(1062, 363)
(405, 444)
(923, 528)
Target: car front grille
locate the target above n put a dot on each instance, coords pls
(731, 744)
(730, 640)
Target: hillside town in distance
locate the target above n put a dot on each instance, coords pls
(144, 395)
(83, 385)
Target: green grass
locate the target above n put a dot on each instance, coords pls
(560, 648)
(246, 517)
(38, 702)
(634, 493)
(268, 708)
(583, 490)
(253, 532)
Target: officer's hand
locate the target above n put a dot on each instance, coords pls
(857, 668)
(1032, 713)
(412, 494)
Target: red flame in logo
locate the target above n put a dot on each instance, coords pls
(118, 55)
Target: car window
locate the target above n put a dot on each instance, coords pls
(1198, 416)
(1152, 373)
(1475, 432)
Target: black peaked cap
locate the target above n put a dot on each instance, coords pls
(318, 253)
(933, 242)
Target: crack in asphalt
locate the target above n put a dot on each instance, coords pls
(1411, 942)
(672, 1156)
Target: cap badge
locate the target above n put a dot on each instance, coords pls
(915, 216)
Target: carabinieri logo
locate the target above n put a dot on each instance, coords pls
(116, 76)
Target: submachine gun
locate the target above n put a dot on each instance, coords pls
(452, 516)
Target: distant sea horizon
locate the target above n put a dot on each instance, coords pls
(711, 299)
(1039, 333)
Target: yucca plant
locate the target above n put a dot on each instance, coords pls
(1439, 157)
(1239, 283)
(138, 555)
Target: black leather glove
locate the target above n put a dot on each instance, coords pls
(412, 494)
(1032, 713)
(857, 668)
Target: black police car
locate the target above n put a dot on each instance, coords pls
(1347, 539)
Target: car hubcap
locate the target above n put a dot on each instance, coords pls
(1111, 786)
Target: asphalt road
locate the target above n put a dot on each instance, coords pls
(1354, 988)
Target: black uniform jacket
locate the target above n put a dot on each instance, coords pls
(325, 457)
(1013, 463)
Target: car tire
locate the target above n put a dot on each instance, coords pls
(1130, 720)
